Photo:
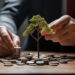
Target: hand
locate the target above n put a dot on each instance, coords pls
(8, 41)
(65, 31)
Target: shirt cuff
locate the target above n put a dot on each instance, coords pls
(9, 27)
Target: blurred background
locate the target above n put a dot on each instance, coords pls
(57, 9)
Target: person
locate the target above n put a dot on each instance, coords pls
(65, 29)
(13, 14)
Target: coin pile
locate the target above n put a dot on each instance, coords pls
(33, 60)
(17, 51)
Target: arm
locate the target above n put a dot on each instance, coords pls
(12, 14)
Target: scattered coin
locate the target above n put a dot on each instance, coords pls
(13, 61)
(69, 60)
(52, 55)
(4, 60)
(8, 58)
(40, 62)
(43, 56)
(29, 57)
(52, 59)
(64, 61)
(63, 56)
(46, 61)
(19, 63)
(7, 64)
(32, 64)
(1, 59)
(54, 63)
(71, 57)
(57, 56)
(23, 59)
(29, 62)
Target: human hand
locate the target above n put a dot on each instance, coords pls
(8, 41)
(65, 31)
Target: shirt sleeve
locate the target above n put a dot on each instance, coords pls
(11, 13)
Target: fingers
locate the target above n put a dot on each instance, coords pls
(66, 31)
(2, 44)
(64, 35)
(8, 42)
(9, 38)
(4, 49)
(43, 33)
(60, 23)
(15, 38)
(5, 36)
(67, 42)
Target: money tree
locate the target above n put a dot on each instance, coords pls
(39, 24)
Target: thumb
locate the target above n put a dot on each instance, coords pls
(60, 23)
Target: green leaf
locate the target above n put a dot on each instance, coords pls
(38, 21)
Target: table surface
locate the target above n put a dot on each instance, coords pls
(46, 69)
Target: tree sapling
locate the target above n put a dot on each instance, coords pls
(39, 24)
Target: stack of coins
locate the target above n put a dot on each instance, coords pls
(17, 51)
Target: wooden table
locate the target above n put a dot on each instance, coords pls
(46, 69)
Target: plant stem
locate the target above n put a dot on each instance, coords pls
(38, 47)
(38, 41)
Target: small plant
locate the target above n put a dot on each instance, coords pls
(39, 24)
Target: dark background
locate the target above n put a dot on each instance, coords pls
(57, 9)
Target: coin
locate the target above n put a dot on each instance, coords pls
(29, 57)
(30, 62)
(4, 60)
(63, 61)
(23, 59)
(40, 62)
(17, 51)
(13, 61)
(7, 64)
(19, 63)
(54, 63)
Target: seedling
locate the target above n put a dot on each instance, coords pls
(39, 24)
